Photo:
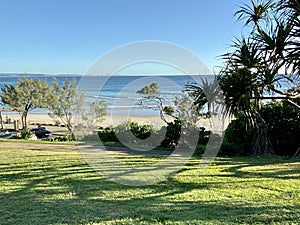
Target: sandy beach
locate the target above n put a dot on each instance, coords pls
(109, 120)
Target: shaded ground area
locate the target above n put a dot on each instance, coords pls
(37, 146)
(52, 184)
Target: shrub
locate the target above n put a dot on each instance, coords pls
(57, 123)
(172, 135)
(122, 133)
(238, 139)
(108, 134)
(57, 139)
(26, 133)
(174, 132)
(283, 120)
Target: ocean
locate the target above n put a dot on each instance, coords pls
(118, 91)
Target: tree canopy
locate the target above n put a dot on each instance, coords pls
(66, 101)
(25, 95)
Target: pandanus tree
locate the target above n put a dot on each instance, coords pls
(243, 86)
(205, 94)
(259, 64)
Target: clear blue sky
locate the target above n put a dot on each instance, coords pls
(66, 36)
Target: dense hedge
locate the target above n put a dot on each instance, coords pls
(149, 136)
(283, 120)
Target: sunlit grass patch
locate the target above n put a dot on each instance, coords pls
(56, 186)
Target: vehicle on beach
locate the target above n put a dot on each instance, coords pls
(41, 132)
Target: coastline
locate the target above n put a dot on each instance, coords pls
(108, 120)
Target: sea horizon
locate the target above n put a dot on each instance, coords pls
(119, 91)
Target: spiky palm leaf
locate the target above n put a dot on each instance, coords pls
(254, 13)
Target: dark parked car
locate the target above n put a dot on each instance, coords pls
(6, 135)
(41, 132)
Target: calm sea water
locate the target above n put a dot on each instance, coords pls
(119, 91)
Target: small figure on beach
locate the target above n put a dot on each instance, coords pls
(8, 120)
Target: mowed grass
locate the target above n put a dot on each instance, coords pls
(57, 186)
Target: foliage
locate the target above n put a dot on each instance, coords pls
(140, 133)
(174, 134)
(207, 93)
(25, 95)
(259, 62)
(129, 132)
(66, 101)
(108, 134)
(99, 108)
(238, 138)
(153, 99)
(283, 122)
(186, 109)
(146, 135)
(169, 110)
(150, 90)
(26, 133)
(183, 105)
(58, 139)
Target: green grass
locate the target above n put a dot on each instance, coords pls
(39, 186)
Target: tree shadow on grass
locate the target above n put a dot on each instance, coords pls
(267, 167)
(53, 192)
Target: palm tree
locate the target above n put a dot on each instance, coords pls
(242, 85)
(290, 11)
(254, 68)
(206, 93)
(255, 13)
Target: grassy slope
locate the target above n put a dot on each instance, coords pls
(39, 186)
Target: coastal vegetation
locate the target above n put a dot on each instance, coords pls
(260, 63)
(25, 95)
(66, 101)
(63, 101)
(253, 180)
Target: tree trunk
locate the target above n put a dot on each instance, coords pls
(297, 154)
(1, 121)
(70, 127)
(262, 145)
(24, 120)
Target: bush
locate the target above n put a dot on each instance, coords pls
(283, 120)
(108, 134)
(238, 139)
(26, 133)
(174, 133)
(122, 133)
(57, 139)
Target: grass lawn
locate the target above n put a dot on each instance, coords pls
(42, 185)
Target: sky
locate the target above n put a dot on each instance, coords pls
(67, 36)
